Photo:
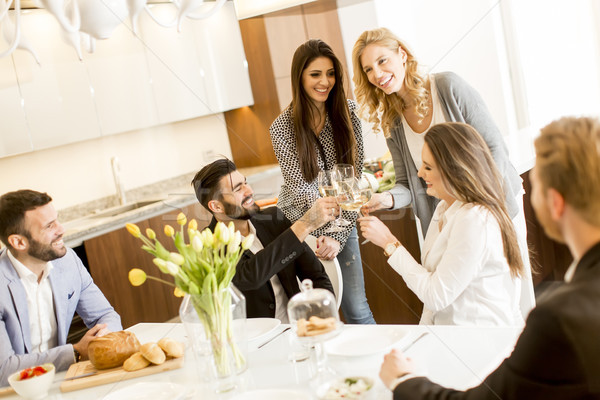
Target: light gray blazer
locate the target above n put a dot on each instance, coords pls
(461, 103)
(73, 290)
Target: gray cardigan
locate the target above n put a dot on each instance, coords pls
(461, 103)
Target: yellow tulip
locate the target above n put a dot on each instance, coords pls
(197, 243)
(207, 237)
(247, 242)
(193, 225)
(137, 277)
(181, 219)
(177, 258)
(151, 234)
(169, 231)
(133, 229)
(178, 292)
(161, 264)
(231, 228)
(172, 268)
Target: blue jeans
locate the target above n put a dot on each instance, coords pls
(354, 300)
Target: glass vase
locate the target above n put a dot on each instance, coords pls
(216, 327)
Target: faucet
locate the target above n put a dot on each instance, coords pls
(116, 171)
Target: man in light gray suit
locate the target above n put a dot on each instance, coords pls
(42, 284)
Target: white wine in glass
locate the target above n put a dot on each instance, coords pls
(327, 188)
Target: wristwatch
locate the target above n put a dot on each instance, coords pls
(389, 248)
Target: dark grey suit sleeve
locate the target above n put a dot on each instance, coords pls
(543, 365)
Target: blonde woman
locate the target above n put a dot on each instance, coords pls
(471, 263)
(404, 104)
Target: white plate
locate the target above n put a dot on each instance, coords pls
(363, 341)
(149, 390)
(273, 394)
(258, 328)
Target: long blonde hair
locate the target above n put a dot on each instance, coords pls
(373, 101)
(471, 176)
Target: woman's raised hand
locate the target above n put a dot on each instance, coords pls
(379, 201)
(374, 230)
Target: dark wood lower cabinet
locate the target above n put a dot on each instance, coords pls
(112, 255)
(392, 302)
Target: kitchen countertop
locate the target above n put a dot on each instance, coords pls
(156, 200)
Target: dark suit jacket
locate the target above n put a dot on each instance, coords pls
(284, 255)
(556, 357)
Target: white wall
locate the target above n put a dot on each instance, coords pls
(81, 172)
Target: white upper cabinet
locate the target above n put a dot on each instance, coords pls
(130, 82)
(56, 94)
(174, 62)
(219, 44)
(120, 82)
(14, 135)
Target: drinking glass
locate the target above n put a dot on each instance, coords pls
(327, 188)
(366, 192)
(345, 178)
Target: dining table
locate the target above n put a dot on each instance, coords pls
(454, 356)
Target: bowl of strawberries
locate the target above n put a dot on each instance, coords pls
(33, 383)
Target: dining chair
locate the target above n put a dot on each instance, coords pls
(333, 270)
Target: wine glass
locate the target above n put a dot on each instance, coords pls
(327, 188)
(345, 177)
(366, 191)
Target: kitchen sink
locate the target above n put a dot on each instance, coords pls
(118, 210)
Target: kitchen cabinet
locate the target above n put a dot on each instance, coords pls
(112, 255)
(14, 125)
(226, 69)
(391, 301)
(131, 82)
(56, 94)
(119, 79)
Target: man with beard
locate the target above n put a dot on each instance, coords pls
(267, 272)
(42, 284)
(558, 354)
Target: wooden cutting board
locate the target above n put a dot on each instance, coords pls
(111, 375)
(5, 391)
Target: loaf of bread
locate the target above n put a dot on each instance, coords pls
(135, 362)
(153, 353)
(113, 349)
(172, 348)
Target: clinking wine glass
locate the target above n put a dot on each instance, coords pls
(353, 194)
(328, 188)
(345, 177)
(366, 192)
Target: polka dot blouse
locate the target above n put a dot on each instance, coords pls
(297, 195)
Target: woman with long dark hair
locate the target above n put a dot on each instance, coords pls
(471, 263)
(318, 130)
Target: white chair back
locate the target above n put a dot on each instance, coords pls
(333, 271)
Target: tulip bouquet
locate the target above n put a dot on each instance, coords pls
(202, 268)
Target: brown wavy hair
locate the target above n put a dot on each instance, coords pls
(375, 106)
(471, 176)
(303, 111)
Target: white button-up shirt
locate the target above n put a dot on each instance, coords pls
(40, 306)
(281, 298)
(464, 278)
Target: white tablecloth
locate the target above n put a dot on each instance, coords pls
(453, 356)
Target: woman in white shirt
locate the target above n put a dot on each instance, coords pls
(471, 263)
